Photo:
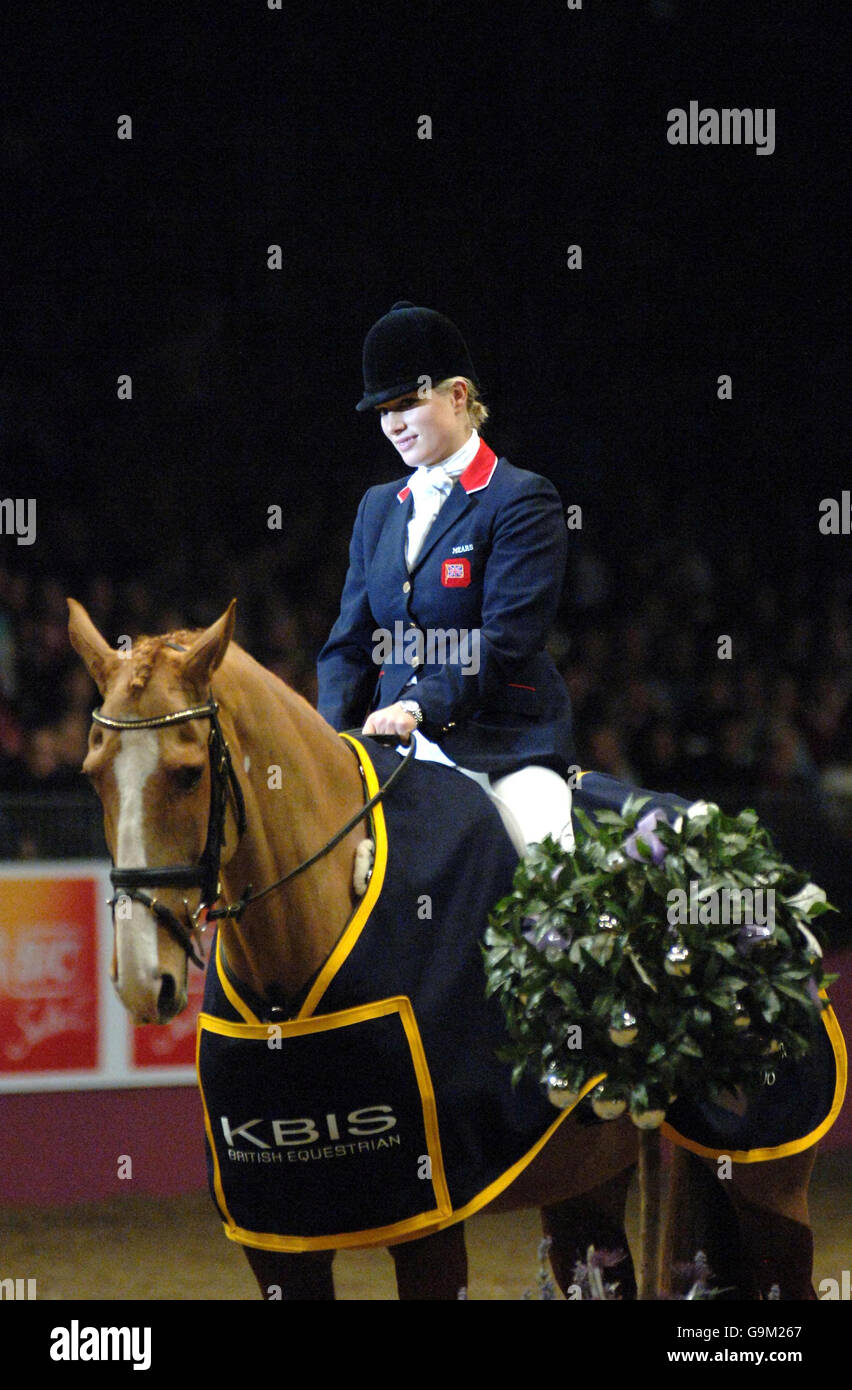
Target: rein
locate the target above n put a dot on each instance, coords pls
(132, 882)
(237, 909)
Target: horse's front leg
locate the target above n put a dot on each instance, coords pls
(434, 1267)
(293, 1277)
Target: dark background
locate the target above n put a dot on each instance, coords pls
(299, 127)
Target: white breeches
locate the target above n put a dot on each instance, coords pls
(539, 802)
(533, 802)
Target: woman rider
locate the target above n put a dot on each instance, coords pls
(454, 580)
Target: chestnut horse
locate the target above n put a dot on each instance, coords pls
(195, 842)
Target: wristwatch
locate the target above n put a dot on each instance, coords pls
(412, 707)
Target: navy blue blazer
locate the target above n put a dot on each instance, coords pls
(470, 620)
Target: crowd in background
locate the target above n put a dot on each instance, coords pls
(688, 672)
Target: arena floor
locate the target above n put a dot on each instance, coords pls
(174, 1249)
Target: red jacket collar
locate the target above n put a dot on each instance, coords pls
(480, 470)
(476, 476)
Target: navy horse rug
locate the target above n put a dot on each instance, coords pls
(378, 1111)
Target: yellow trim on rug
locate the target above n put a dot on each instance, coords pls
(368, 902)
(794, 1146)
(231, 995)
(412, 1226)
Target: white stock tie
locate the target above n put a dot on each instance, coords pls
(430, 488)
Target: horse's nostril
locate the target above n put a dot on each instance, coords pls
(168, 995)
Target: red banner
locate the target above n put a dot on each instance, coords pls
(62, 1025)
(48, 975)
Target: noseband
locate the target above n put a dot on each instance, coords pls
(131, 883)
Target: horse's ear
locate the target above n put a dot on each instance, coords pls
(100, 659)
(208, 650)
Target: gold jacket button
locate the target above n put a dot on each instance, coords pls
(406, 588)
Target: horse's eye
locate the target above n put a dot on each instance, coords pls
(187, 778)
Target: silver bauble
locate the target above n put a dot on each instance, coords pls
(560, 1092)
(647, 1119)
(607, 1106)
(678, 960)
(623, 1030)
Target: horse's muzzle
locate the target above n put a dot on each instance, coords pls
(160, 1003)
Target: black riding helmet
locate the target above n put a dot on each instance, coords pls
(406, 345)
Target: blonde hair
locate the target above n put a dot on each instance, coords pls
(477, 410)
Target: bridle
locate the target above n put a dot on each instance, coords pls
(131, 883)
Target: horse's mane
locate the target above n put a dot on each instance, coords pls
(145, 651)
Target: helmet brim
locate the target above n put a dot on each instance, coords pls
(403, 388)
